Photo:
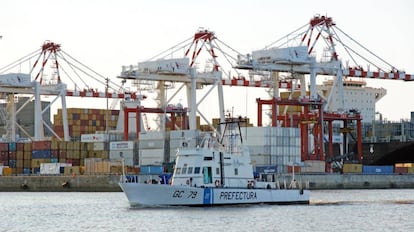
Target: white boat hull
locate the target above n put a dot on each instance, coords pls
(140, 194)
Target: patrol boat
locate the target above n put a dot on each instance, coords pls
(218, 171)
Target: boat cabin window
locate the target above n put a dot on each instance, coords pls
(177, 171)
(207, 175)
(190, 170)
(184, 169)
(197, 170)
(217, 171)
(208, 158)
(236, 171)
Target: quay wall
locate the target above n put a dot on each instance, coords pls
(109, 183)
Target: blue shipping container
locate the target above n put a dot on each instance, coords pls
(375, 169)
(41, 154)
(151, 169)
(12, 146)
(12, 163)
(26, 171)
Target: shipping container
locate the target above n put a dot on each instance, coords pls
(71, 170)
(7, 171)
(4, 147)
(37, 162)
(52, 168)
(19, 146)
(127, 155)
(352, 168)
(41, 145)
(313, 166)
(12, 146)
(151, 169)
(400, 170)
(94, 138)
(121, 145)
(41, 154)
(377, 169)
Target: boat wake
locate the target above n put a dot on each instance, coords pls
(330, 203)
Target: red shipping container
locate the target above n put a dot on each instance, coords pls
(400, 170)
(19, 146)
(12, 155)
(4, 146)
(41, 145)
(4, 155)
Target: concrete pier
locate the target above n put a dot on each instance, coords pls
(109, 183)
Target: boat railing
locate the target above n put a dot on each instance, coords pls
(146, 179)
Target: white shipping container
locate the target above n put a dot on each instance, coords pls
(150, 135)
(313, 166)
(157, 153)
(15, 79)
(90, 138)
(121, 145)
(52, 168)
(150, 161)
(99, 146)
(128, 156)
(184, 134)
(153, 143)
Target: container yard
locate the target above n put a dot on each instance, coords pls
(303, 129)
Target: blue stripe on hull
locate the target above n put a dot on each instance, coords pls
(208, 196)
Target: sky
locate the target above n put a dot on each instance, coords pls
(107, 34)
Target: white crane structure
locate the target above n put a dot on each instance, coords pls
(191, 75)
(47, 77)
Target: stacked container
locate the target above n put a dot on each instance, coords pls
(122, 150)
(152, 148)
(41, 153)
(4, 154)
(279, 146)
(85, 121)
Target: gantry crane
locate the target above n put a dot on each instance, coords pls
(39, 82)
(311, 58)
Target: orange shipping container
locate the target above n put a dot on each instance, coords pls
(27, 163)
(352, 168)
(27, 155)
(28, 147)
(7, 171)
